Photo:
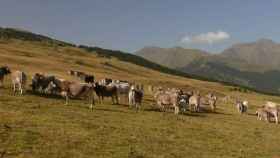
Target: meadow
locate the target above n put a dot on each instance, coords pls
(35, 125)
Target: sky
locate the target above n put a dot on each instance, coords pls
(130, 25)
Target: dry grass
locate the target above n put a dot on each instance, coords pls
(38, 126)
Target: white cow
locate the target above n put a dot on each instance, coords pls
(19, 79)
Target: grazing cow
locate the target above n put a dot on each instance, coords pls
(262, 114)
(135, 97)
(3, 72)
(41, 82)
(106, 91)
(19, 79)
(74, 90)
(82, 76)
(194, 102)
(242, 106)
(168, 99)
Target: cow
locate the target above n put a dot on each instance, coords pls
(19, 79)
(168, 99)
(194, 102)
(262, 114)
(41, 82)
(122, 88)
(184, 102)
(242, 106)
(266, 113)
(135, 97)
(272, 112)
(212, 99)
(74, 90)
(3, 72)
(106, 91)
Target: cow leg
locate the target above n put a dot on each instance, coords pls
(102, 99)
(176, 110)
(130, 102)
(136, 107)
(276, 118)
(14, 89)
(99, 99)
(266, 118)
(92, 102)
(1, 81)
(259, 117)
(117, 100)
(194, 107)
(21, 89)
(91, 99)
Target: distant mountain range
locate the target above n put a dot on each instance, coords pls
(256, 64)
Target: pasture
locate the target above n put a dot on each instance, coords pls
(40, 126)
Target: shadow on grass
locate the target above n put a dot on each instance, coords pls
(153, 109)
(49, 96)
(172, 111)
(251, 114)
(110, 110)
(192, 114)
(206, 111)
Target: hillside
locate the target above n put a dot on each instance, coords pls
(42, 126)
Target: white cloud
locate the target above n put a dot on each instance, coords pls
(206, 38)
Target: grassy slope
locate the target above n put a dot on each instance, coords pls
(45, 127)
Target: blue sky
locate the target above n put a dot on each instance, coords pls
(129, 25)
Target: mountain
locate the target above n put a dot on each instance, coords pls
(255, 64)
(171, 57)
(264, 53)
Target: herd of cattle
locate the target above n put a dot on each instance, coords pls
(166, 99)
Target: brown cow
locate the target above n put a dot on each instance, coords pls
(74, 90)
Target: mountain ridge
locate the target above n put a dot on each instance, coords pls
(249, 64)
